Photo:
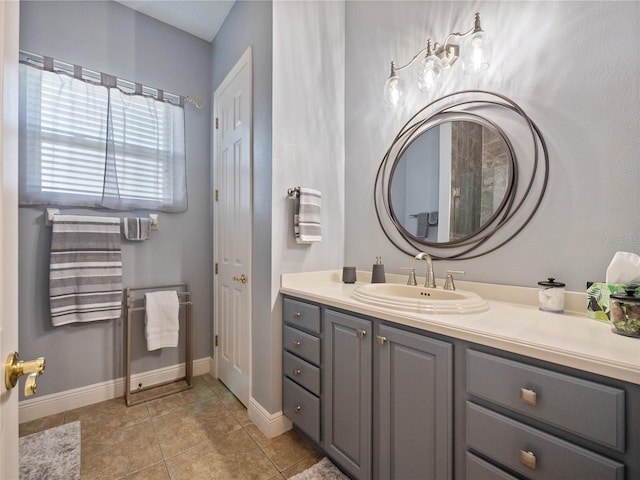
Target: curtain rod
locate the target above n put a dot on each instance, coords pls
(79, 72)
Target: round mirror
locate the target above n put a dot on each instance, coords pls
(450, 181)
(462, 177)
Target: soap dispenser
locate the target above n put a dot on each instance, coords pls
(377, 273)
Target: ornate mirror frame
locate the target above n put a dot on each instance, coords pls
(528, 176)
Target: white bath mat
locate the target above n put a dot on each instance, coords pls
(323, 470)
(53, 454)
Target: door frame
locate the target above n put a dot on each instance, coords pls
(245, 61)
(9, 23)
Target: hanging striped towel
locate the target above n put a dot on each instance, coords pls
(85, 274)
(136, 228)
(306, 220)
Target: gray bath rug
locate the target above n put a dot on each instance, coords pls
(323, 470)
(53, 454)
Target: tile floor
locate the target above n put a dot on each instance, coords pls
(198, 434)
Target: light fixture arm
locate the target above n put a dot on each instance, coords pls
(476, 28)
(427, 49)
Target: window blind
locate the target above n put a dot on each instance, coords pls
(86, 141)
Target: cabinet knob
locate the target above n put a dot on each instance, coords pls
(528, 459)
(361, 333)
(528, 396)
(380, 340)
(296, 371)
(297, 314)
(297, 409)
(296, 344)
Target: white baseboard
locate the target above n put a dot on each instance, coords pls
(271, 425)
(99, 392)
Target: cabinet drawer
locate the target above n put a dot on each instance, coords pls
(301, 372)
(302, 344)
(587, 409)
(302, 408)
(301, 314)
(532, 453)
(478, 469)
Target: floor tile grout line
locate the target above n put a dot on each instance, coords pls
(260, 447)
(218, 392)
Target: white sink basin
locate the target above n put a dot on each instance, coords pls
(408, 298)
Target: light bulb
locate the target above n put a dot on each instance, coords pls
(476, 53)
(394, 91)
(429, 74)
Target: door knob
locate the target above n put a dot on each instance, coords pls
(14, 368)
(242, 278)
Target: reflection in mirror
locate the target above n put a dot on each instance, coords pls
(450, 181)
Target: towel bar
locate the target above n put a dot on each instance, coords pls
(293, 191)
(52, 212)
(135, 303)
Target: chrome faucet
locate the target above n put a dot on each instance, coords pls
(430, 279)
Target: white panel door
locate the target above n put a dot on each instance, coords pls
(9, 20)
(232, 228)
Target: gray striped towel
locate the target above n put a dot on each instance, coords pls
(136, 228)
(85, 274)
(306, 220)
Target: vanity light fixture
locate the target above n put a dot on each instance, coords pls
(475, 52)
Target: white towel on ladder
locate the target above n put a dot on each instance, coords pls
(306, 220)
(161, 319)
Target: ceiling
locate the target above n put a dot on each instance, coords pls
(202, 18)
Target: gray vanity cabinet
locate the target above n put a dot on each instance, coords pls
(414, 406)
(412, 400)
(517, 402)
(301, 366)
(380, 400)
(347, 398)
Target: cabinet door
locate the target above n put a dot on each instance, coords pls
(415, 406)
(346, 399)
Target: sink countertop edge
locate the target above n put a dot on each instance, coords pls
(568, 339)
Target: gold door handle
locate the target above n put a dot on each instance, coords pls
(242, 279)
(14, 368)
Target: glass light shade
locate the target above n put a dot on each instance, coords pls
(429, 74)
(476, 53)
(394, 91)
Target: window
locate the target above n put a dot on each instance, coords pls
(88, 139)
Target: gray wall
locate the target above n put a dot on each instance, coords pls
(308, 144)
(109, 37)
(572, 66)
(249, 24)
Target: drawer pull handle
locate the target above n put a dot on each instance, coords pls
(528, 459)
(297, 409)
(528, 396)
(296, 344)
(296, 371)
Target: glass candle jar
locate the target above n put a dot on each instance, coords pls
(625, 313)
(551, 296)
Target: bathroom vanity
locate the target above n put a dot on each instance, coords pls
(509, 393)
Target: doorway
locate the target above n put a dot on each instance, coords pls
(232, 228)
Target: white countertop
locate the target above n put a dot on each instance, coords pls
(569, 339)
